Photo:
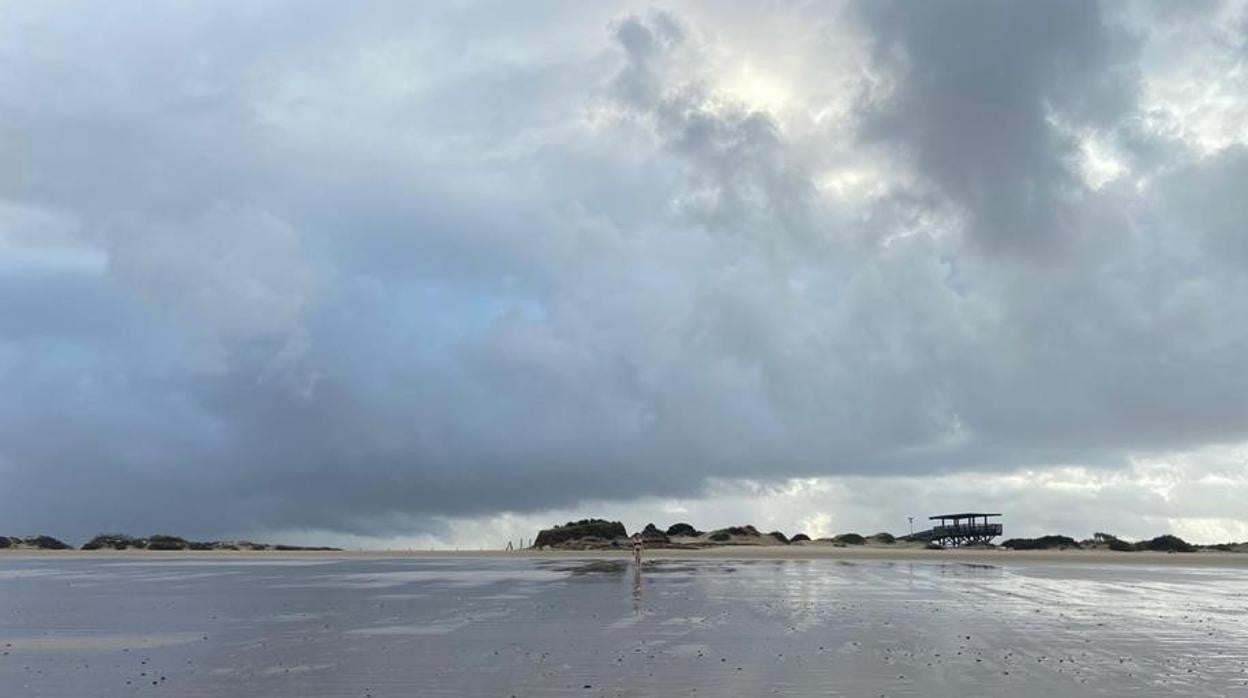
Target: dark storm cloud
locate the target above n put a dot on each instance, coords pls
(271, 268)
(979, 86)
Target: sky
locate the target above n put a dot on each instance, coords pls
(391, 274)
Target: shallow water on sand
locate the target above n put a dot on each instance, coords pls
(539, 627)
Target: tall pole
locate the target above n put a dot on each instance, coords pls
(911, 524)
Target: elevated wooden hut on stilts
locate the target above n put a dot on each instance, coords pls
(957, 530)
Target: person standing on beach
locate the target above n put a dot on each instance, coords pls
(637, 545)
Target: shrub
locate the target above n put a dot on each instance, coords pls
(5, 542)
(779, 536)
(1113, 542)
(850, 539)
(1167, 543)
(883, 537)
(1041, 543)
(114, 541)
(161, 541)
(585, 528)
(724, 534)
(651, 534)
(798, 538)
(46, 543)
(682, 529)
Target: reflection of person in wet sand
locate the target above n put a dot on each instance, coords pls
(637, 589)
(637, 546)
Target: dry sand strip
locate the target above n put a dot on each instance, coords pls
(734, 552)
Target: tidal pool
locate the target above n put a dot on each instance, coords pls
(408, 626)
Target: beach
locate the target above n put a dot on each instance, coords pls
(1001, 556)
(793, 620)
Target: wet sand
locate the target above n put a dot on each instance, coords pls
(751, 624)
(999, 556)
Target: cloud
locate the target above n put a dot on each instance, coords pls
(1202, 198)
(386, 274)
(1194, 495)
(987, 101)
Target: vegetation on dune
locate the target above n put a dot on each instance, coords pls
(1166, 543)
(585, 528)
(725, 534)
(1112, 542)
(599, 533)
(682, 529)
(165, 542)
(114, 541)
(37, 542)
(653, 536)
(1042, 543)
(162, 541)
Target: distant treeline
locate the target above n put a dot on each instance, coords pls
(1165, 543)
(600, 533)
(591, 533)
(120, 541)
(160, 541)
